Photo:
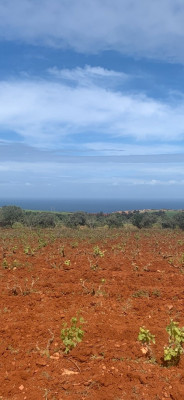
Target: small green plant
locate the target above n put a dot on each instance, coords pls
(145, 337)
(74, 245)
(62, 251)
(141, 293)
(14, 249)
(98, 252)
(182, 259)
(29, 251)
(173, 351)
(26, 250)
(5, 263)
(156, 293)
(94, 267)
(67, 262)
(171, 262)
(72, 335)
(15, 264)
(42, 243)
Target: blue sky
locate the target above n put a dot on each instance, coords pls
(91, 99)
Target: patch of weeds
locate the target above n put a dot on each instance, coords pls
(152, 361)
(74, 245)
(55, 266)
(15, 264)
(6, 310)
(141, 293)
(171, 261)
(136, 268)
(29, 251)
(73, 334)
(182, 260)
(46, 351)
(46, 375)
(42, 243)
(127, 305)
(5, 264)
(14, 249)
(98, 252)
(99, 356)
(156, 293)
(94, 267)
(119, 297)
(26, 290)
(99, 291)
(135, 390)
(12, 350)
(62, 251)
(146, 268)
(16, 290)
(118, 359)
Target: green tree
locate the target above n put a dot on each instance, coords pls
(75, 219)
(41, 219)
(137, 219)
(114, 220)
(11, 214)
(179, 220)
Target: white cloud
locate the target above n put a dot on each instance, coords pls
(43, 112)
(124, 149)
(157, 182)
(142, 28)
(88, 75)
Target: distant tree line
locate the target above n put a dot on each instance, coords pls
(11, 216)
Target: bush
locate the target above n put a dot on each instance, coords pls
(75, 219)
(72, 335)
(41, 219)
(11, 214)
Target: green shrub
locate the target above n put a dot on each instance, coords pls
(145, 337)
(72, 335)
(173, 351)
(98, 252)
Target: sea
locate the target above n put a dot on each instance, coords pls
(94, 205)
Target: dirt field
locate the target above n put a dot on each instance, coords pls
(117, 281)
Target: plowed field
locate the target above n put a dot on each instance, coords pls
(118, 281)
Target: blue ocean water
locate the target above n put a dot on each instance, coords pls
(94, 205)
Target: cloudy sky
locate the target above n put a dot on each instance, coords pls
(92, 99)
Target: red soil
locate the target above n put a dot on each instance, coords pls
(138, 282)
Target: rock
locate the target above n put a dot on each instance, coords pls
(41, 363)
(69, 372)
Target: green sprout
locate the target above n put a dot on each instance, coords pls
(73, 334)
(145, 337)
(173, 351)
